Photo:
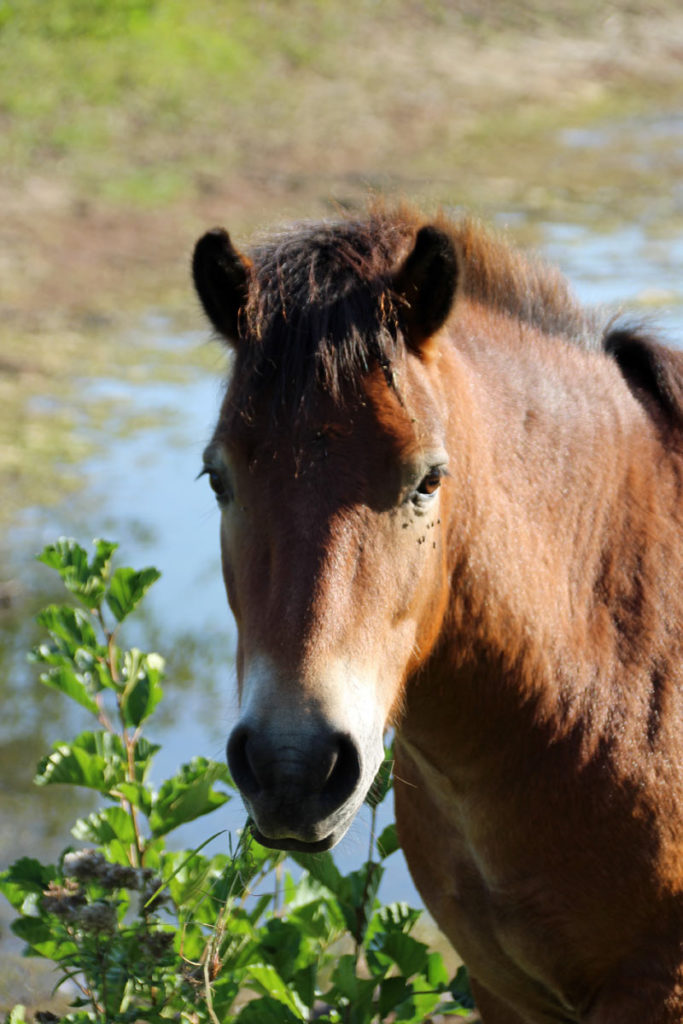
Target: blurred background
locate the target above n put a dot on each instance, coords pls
(127, 128)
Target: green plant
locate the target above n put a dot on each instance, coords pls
(148, 933)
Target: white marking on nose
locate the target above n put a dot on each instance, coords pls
(339, 697)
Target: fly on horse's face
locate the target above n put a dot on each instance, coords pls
(332, 537)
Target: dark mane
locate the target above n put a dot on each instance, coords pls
(321, 311)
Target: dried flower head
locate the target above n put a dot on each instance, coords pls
(85, 865)
(92, 866)
(98, 917)
(64, 901)
(156, 944)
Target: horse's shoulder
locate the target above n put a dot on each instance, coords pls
(652, 371)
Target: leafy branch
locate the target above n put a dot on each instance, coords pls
(148, 933)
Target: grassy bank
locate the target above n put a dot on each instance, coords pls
(145, 103)
(129, 126)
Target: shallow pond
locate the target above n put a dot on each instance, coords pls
(140, 489)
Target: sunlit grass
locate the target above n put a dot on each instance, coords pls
(144, 110)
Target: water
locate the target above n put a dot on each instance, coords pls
(142, 490)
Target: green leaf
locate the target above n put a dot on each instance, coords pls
(143, 752)
(84, 763)
(101, 563)
(381, 783)
(242, 948)
(188, 795)
(304, 982)
(25, 878)
(407, 953)
(358, 991)
(66, 556)
(183, 869)
(398, 917)
(387, 841)
(436, 973)
(460, 989)
(64, 680)
(70, 560)
(127, 588)
(280, 943)
(38, 935)
(71, 626)
(259, 908)
(355, 892)
(142, 690)
(322, 868)
(247, 861)
(137, 794)
(392, 992)
(266, 979)
(102, 827)
(96, 760)
(358, 907)
(320, 919)
(17, 1015)
(185, 876)
(225, 989)
(419, 1003)
(267, 1011)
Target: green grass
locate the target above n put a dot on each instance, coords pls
(139, 100)
(133, 83)
(127, 126)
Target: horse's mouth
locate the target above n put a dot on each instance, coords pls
(288, 843)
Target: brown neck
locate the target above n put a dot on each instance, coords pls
(556, 483)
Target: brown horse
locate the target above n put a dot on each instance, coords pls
(452, 503)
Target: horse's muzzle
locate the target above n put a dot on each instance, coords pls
(298, 789)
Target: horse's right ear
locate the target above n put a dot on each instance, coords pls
(426, 284)
(220, 277)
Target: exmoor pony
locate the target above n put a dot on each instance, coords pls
(451, 504)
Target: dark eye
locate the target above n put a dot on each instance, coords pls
(431, 482)
(217, 484)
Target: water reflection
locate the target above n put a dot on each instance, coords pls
(142, 490)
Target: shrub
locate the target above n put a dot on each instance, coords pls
(145, 933)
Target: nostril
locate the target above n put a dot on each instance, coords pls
(344, 772)
(239, 764)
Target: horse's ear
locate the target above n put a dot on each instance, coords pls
(426, 284)
(221, 279)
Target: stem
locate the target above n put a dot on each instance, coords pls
(138, 849)
(80, 960)
(208, 995)
(361, 913)
(110, 637)
(99, 1007)
(277, 895)
(102, 717)
(373, 829)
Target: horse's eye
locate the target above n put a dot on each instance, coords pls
(430, 483)
(215, 482)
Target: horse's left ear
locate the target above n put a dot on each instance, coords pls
(221, 279)
(426, 283)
